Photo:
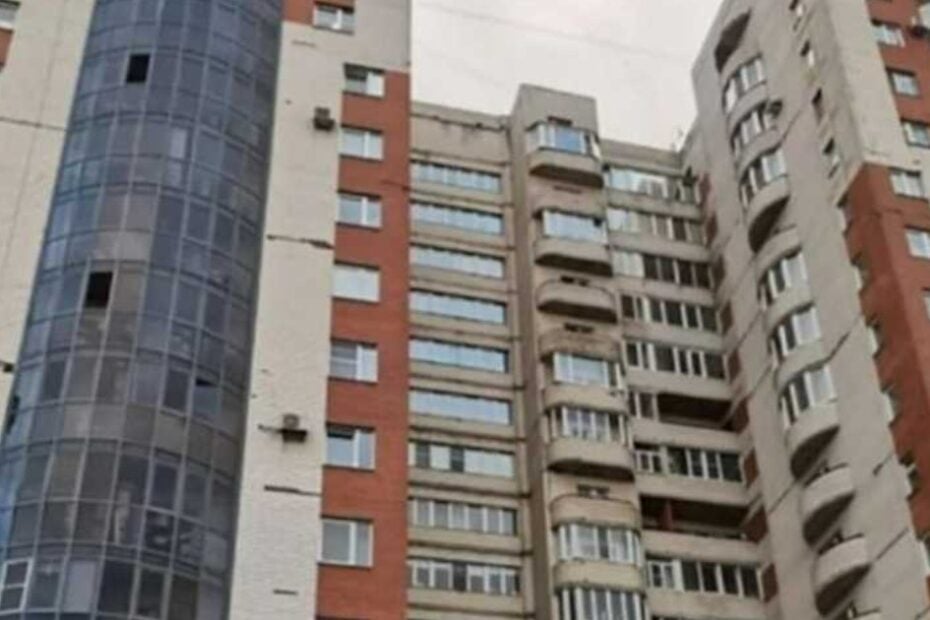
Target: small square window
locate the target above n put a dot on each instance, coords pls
(364, 81)
(137, 70)
(904, 82)
(99, 284)
(332, 17)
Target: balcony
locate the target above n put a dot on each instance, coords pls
(597, 345)
(580, 509)
(586, 396)
(577, 300)
(584, 256)
(838, 570)
(590, 458)
(455, 603)
(824, 499)
(763, 211)
(566, 166)
(810, 435)
(598, 574)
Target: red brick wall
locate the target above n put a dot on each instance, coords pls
(379, 496)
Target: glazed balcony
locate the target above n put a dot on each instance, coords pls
(763, 210)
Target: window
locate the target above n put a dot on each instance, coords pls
(809, 55)
(758, 120)
(350, 447)
(860, 272)
(333, 17)
(911, 474)
(785, 274)
(768, 167)
(452, 260)
(453, 515)
(589, 603)
(463, 577)
(460, 407)
(457, 354)
(363, 143)
(640, 182)
(704, 464)
(99, 284)
(574, 227)
(346, 542)
(890, 404)
(581, 370)
(925, 552)
(798, 329)
(354, 361)
(455, 176)
(359, 210)
(13, 584)
(916, 133)
(808, 389)
(874, 333)
(137, 69)
(671, 358)
(744, 79)
(356, 283)
(888, 34)
(904, 83)
(669, 312)
(907, 183)
(8, 9)
(927, 302)
(708, 577)
(616, 545)
(843, 213)
(589, 425)
(457, 307)
(642, 404)
(666, 226)
(455, 217)
(364, 81)
(649, 458)
(918, 242)
(832, 156)
(817, 104)
(561, 136)
(662, 268)
(798, 10)
(593, 492)
(459, 459)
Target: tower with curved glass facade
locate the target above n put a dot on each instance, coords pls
(120, 458)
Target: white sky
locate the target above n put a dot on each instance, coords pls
(473, 54)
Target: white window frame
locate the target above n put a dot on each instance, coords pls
(372, 143)
(563, 370)
(907, 183)
(8, 11)
(333, 17)
(789, 401)
(916, 133)
(588, 541)
(471, 220)
(459, 355)
(904, 82)
(475, 403)
(545, 135)
(590, 425)
(354, 527)
(887, 33)
(356, 282)
(368, 207)
(918, 242)
(371, 81)
(562, 225)
(355, 435)
(365, 361)
(479, 265)
(650, 459)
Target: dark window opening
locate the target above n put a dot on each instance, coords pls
(99, 284)
(137, 72)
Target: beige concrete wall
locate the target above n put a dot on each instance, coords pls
(276, 555)
(36, 90)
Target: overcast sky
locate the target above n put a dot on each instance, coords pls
(474, 54)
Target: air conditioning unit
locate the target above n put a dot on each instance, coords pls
(291, 431)
(323, 119)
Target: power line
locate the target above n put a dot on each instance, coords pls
(555, 33)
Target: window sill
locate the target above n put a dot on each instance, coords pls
(362, 95)
(343, 31)
(364, 470)
(329, 563)
(371, 160)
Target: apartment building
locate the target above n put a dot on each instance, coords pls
(279, 343)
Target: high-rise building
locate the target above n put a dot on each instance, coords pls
(278, 343)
